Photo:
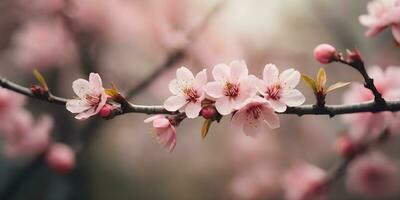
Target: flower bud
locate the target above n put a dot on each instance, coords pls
(325, 53)
(106, 111)
(208, 112)
(345, 146)
(354, 56)
(60, 158)
(37, 90)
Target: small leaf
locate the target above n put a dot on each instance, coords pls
(310, 82)
(41, 79)
(337, 86)
(321, 79)
(205, 128)
(113, 91)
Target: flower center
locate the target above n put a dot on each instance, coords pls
(274, 92)
(191, 95)
(254, 111)
(92, 100)
(231, 90)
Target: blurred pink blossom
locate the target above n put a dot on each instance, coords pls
(382, 14)
(257, 182)
(373, 175)
(9, 102)
(232, 86)
(188, 92)
(250, 119)
(278, 89)
(60, 158)
(305, 182)
(43, 45)
(91, 96)
(372, 124)
(23, 137)
(165, 131)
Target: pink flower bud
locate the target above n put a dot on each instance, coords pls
(345, 146)
(208, 112)
(106, 111)
(60, 158)
(325, 53)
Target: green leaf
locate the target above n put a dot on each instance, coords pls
(321, 79)
(205, 128)
(41, 79)
(310, 82)
(337, 86)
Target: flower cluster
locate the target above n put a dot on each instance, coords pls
(252, 101)
(382, 14)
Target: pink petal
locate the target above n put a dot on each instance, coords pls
(261, 87)
(174, 87)
(221, 72)
(161, 123)
(290, 78)
(270, 117)
(238, 119)
(270, 74)
(81, 88)
(167, 138)
(293, 97)
(174, 103)
(184, 74)
(215, 89)
(278, 105)
(201, 79)
(238, 70)
(253, 127)
(367, 20)
(95, 81)
(77, 106)
(192, 110)
(86, 114)
(396, 32)
(152, 118)
(224, 105)
(103, 101)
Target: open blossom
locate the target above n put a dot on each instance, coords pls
(24, 137)
(278, 89)
(256, 112)
(382, 14)
(305, 182)
(232, 86)
(91, 96)
(372, 124)
(188, 92)
(165, 131)
(373, 175)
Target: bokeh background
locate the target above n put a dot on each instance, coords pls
(126, 40)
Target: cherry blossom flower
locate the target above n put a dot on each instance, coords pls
(256, 112)
(278, 89)
(23, 137)
(382, 14)
(165, 131)
(188, 92)
(372, 124)
(43, 45)
(373, 175)
(305, 182)
(232, 86)
(91, 96)
(9, 102)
